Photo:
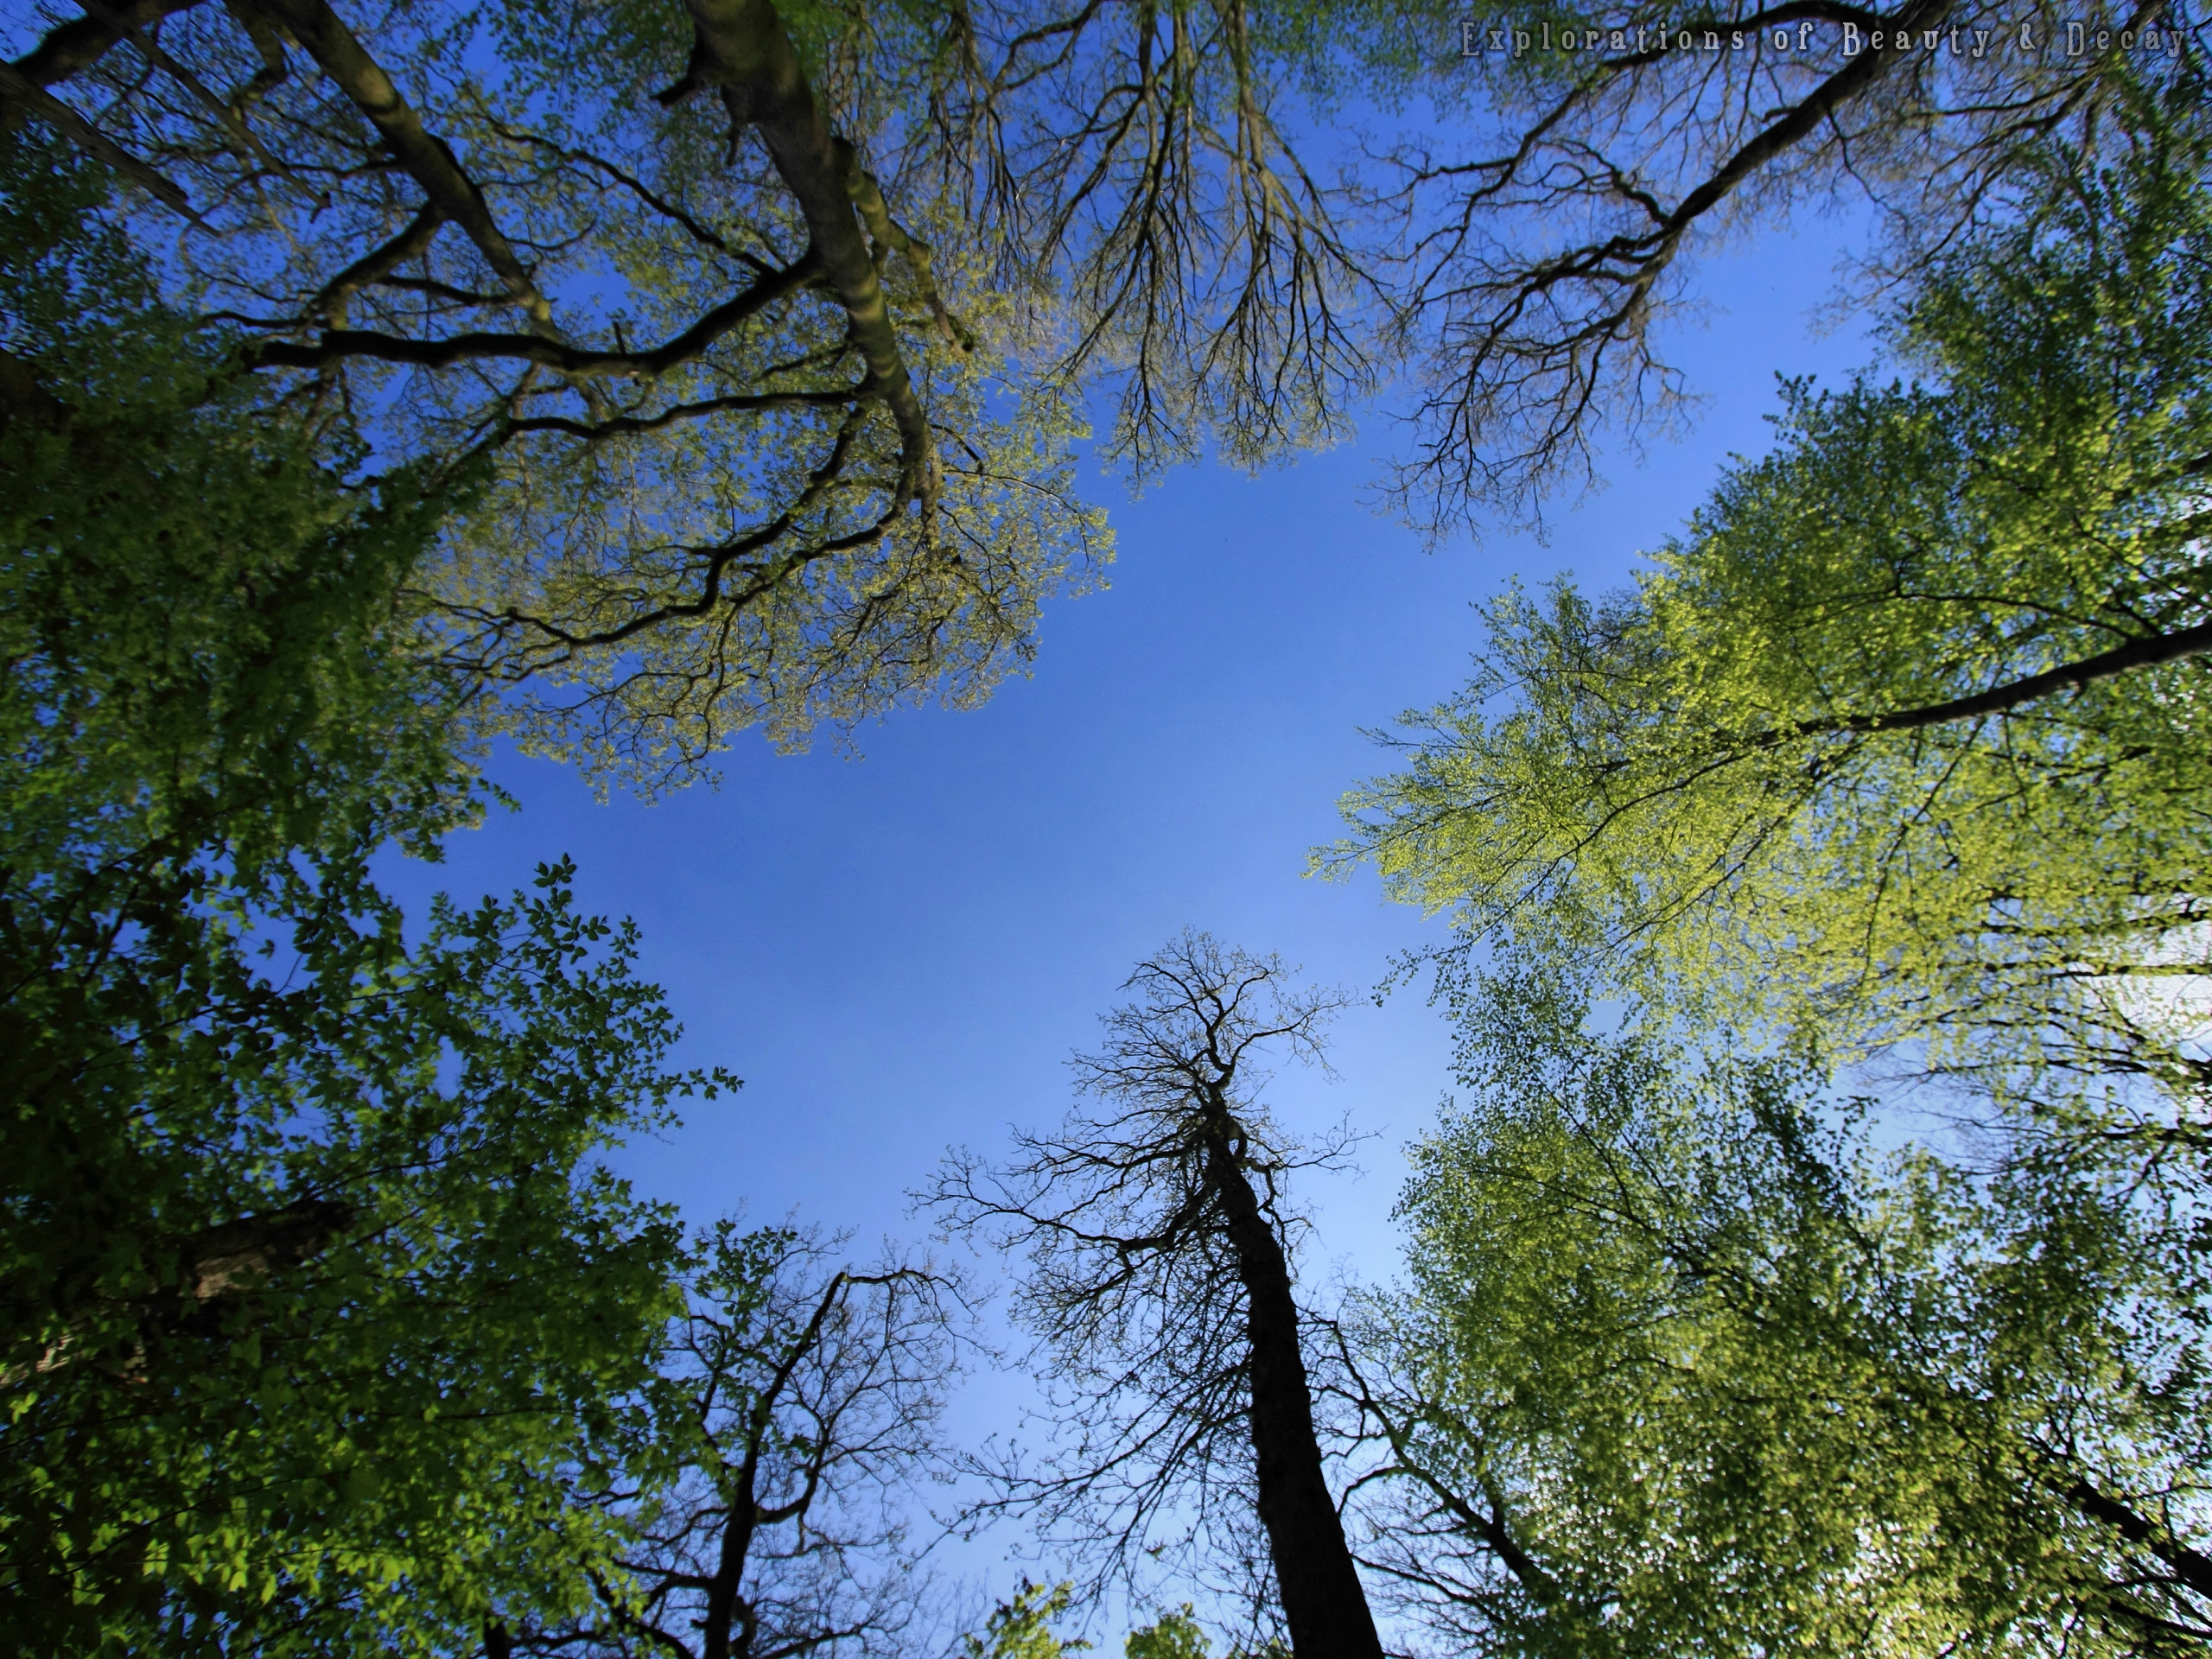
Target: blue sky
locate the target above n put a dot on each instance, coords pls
(898, 951)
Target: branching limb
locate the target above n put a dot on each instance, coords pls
(741, 48)
(337, 344)
(69, 49)
(457, 197)
(26, 95)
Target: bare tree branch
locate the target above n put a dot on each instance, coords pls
(1160, 1286)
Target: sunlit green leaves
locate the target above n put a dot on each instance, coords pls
(1894, 758)
(1758, 781)
(814, 617)
(315, 1286)
(1022, 1627)
(1737, 1382)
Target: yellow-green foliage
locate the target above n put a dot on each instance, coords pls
(1173, 1635)
(579, 578)
(1022, 1628)
(1693, 780)
(1740, 1384)
(844, 616)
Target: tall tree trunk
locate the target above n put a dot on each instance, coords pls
(1323, 1601)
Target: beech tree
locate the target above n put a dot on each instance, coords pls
(1686, 1361)
(737, 457)
(525, 240)
(1161, 1290)
(314, 1283)
(1552, 220)
(1900, 740)
(1888, 765)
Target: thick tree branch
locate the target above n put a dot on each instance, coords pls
(378, 263)
(2149, 652)
(336, 345)
(230, 115)
(888, 234)
(221, 1260)
(323, 34)
(1803, 120)
(214, 1267)
(2191, 1566)
(742, 47)
(748, 403)
(70, 49)
(25, 96)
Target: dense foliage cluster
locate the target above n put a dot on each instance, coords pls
(1813, 1260)
(301, 1217)
(1904, 734)
(1718, 1374)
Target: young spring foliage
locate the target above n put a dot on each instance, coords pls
(313, 1284)
(742, 448)
(1022, 1626)
(1684, 1364)
(1905, 736)
(300, 1357)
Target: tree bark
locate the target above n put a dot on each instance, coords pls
(21, 94)
(325, 37)
(221, 1260)
(742, 47)
(1323, 1602)
(2148, 651)
(2192, 1567)
(69, 48)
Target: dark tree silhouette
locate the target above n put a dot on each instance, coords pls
(798, 1413)
(1162, 1292)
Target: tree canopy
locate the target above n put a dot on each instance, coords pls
(737, 459)
(1902, 737)
(620, 375)
(1586, 157)
(622, 247)
(1685, 1362)
(331, 1289)
(1716, 1336)
(315, 1284)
